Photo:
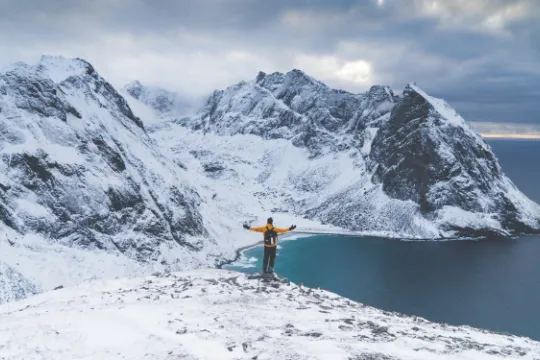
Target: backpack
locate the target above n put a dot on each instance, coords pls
(270, 236)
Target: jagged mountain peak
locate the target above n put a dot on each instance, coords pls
(384, 90)
(411, 85)
(301, 75)
(134, 85)
(59, 68)
(293, 79)
(426, 152)
(161, 100)
(381, 93)
(135, 89)
(42, 88)
(439, 109)
(53, 68)
(295, 106)
(260, 76)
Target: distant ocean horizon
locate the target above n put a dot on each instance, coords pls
(520, 161)
(506, 131)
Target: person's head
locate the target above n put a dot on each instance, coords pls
(270, 221)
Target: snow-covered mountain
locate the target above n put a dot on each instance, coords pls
(215, 314)
(161, 100)
(426, 153)
(296, 107)
(84, 191)
(407, 165)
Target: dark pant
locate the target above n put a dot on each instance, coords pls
(269, 254)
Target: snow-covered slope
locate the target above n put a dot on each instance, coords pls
(215, 314)
(80, 178)
(373, 162)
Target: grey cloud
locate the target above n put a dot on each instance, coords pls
(489, 72)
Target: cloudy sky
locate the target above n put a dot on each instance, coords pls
(483, 56)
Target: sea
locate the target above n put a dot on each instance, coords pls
(492, 283)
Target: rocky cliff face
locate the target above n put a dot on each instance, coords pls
(293, 106)
(77, 166)
(428, 154)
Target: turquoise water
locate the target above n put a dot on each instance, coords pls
(492, 284)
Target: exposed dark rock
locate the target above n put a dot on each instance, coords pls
(379, 330)
(213, 167)
(421, 156)
(113, 158)
(36, 95)
(313, 334)
(416, 149)
(373, 356)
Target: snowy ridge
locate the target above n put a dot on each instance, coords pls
(214, 314)
(59, 68)
(447, 112)
(293, 106)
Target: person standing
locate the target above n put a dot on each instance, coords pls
(270, 242)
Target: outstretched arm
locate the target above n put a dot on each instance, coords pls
(283, 230)
(257, 229)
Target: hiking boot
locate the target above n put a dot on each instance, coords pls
(271, 270)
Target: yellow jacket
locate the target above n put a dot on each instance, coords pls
(262, 229)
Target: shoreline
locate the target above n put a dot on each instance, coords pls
(240, 250)
(237, 256)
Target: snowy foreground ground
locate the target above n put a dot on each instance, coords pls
(217, 314)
